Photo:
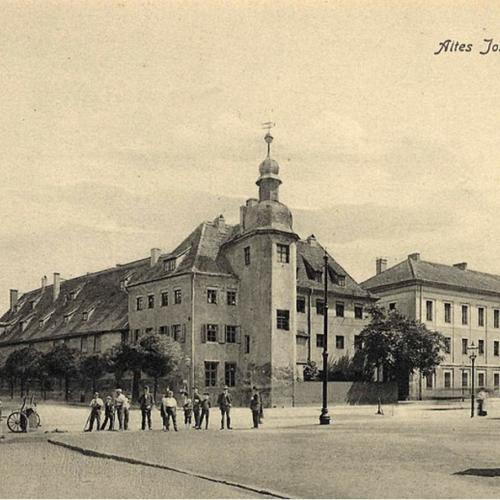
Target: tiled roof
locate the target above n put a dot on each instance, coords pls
(199, 252)
(310, 260)
(421, 271)
(100, 295)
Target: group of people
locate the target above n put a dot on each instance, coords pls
(197, 406)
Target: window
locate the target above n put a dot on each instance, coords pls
(320, 307)
(465, 315)
(447, 380)
(246, 253)
(283, 319)
(481, 379)
(211, 373)
(151, 301)
(447, 345)
(318, 276)
(496, 348)
(212, 296)
(429, 310)
(496, 379)
(339, 309)
(125, 338)
(85, 316)
(428, 381)
(169, 264)
(358, 312)
(149, 331)
(447, 313)
(480, 316)
(320, 340)
(177, 296)
(301, 304)
(341, 280)
(230, 374)
(164, 299)
(84, 345)
(358, 342)
(231, 334)
(247, 344)
(283, 253)
(465, 379)
(480, 345)
(139, 303)
(339, 341)
(135, 337)
(212, 331)
(231, 298)
(392, 306)
(163, 330)
(176, 332)
(97, 343)
(496, 318)
(464, 346)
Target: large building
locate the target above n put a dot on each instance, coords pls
(245, 302)
(462, 304)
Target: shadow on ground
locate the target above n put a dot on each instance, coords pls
(479, 472)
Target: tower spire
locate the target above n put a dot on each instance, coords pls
(268, 138)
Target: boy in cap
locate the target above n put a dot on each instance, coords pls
(205, 410)
(109, 414)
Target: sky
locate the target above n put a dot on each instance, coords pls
(124, 124)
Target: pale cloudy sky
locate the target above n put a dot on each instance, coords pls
(124, 124)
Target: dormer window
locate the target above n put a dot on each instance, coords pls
(169, 264)
(341, 280)
(68, 316)
(318, 276)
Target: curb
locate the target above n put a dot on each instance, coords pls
(133, 461)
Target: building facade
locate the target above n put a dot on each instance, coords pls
(244, 301)
(462, 304)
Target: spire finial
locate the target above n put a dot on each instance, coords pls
(268, 138)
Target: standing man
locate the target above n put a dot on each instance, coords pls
(225, 402)
(205, 410)
(109, 415)
(261, 414)
(169, 405)
(255, 407)
(196, 407)
(147, 402)
(126, 412)
(120, 407)
(96, 405)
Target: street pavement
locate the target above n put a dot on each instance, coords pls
(415, 450)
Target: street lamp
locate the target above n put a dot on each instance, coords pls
(472, 356)
(324, 418)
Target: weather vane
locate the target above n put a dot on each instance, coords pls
(269, 138)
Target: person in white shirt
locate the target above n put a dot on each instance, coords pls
(169, 407)
(120, 401)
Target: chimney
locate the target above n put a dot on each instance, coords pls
(312, 240)
(155, 255)
(243, 214)
(461, 265)
(14, 296)
(251, 202)
(57, 286)
(414, 256)
(220, 223)
(380, 265)
(44, 283)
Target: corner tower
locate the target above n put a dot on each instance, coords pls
(263, 255)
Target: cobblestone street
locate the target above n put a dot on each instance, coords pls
(424, 450)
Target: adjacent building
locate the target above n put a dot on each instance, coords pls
(462, 304)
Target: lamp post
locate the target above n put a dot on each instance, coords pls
(324, 418)
(472, 356)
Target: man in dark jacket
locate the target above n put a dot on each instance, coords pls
(109, 414)
(196, 407)
(147, 402)
(225, 402)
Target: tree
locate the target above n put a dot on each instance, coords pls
(161, 357)
(124, 358)
(397, 346)
(93, 367)
(24, 365)
(64, 363)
